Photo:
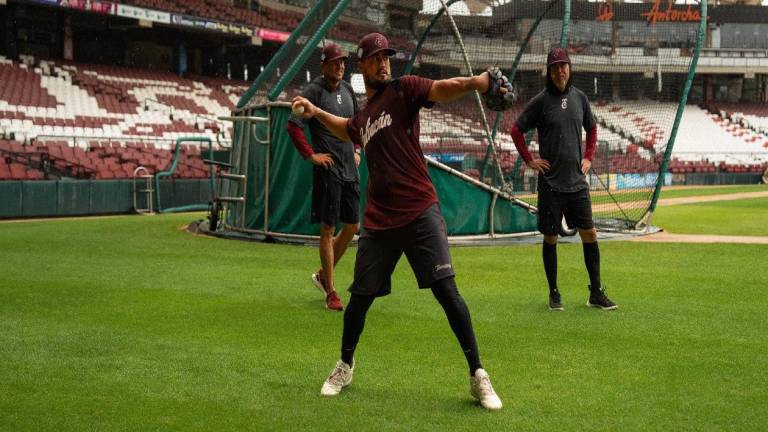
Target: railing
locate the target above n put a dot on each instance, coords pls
(734, 52)
(730, 158)
(76, 139)
(49, 165)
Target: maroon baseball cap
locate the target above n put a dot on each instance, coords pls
(372, 44)
(557, 55)
(332, 52)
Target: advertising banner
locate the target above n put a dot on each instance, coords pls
(143, 14)
(206, 24)
(191, 21)
(235, 29)
(628, 181)
(103, 7)
(273, 35)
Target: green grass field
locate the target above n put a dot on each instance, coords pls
(748, 217)
(129, 323)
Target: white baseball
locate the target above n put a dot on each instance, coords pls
(297, 109)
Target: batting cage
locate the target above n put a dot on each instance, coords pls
(634, 61)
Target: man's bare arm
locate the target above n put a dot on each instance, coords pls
(450, 89)
(335, 124)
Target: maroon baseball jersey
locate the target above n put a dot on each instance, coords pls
(399, 186)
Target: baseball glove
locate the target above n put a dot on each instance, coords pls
(497, 99)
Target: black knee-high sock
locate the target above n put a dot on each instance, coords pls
(457, 312)
(549, 256)
(592, 261)
(354, 321)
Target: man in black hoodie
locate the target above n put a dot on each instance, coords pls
(558, 113)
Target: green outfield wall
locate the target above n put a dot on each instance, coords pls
(42, 198)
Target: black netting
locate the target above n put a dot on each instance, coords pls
(630, 62)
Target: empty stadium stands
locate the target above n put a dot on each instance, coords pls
(223, 11)
(753, 116)
(703, 132)
(266, 17)
(65, 99)
(91, 121)
(125, 117)
(704, 142)
(99, 160)
(635, 134)
(643, 123)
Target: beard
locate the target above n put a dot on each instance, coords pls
(376, 84)
(554, 88)
(332, 81)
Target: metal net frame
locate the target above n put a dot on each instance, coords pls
(635, 62)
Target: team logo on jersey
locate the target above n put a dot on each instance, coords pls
(564, 103)
(370, 129)
(338, 98)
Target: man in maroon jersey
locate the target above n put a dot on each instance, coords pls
(402, 214)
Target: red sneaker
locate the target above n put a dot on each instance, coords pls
(333, 302)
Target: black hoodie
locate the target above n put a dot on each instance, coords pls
(559, 117)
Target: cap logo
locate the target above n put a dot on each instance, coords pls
(379, 42)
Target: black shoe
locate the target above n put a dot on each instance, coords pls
(597, 299)
(554, 301)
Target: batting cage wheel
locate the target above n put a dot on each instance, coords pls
(566, 230)
(214, 214)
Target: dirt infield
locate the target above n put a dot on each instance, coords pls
(708, 198)
(606, 207)
(668, 237)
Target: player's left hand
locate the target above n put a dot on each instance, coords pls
(357, 159)
(501, 95)
(586, 164)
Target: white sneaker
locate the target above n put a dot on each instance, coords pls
(340, 377)
(481, 389)
(319, 282)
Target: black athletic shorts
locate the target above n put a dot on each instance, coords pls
(334, 200)
(553, 205)
(424, 242)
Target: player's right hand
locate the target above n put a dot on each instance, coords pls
(309, 109)
(324, 160)
(540, 165)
